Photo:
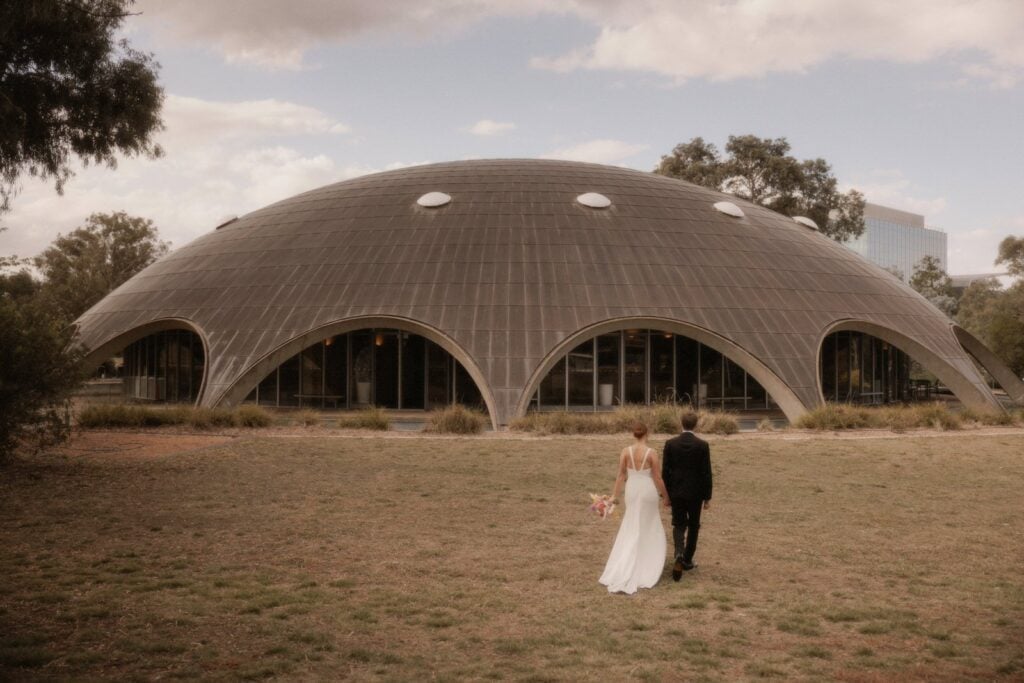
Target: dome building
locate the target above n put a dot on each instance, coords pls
(526, 284)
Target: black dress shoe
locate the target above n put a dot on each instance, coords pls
(677, 569)
(687, 565)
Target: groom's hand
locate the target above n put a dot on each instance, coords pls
(707, 504)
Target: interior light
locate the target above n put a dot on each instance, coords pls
(379, 340)
(328, 341)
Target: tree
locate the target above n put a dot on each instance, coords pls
(762, 171)
(931, 281)
(38, 371)
(69, 88)
(82, 267)
(977, 307)
(1006, 328)
(1011, 254)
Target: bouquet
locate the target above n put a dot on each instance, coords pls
(602, 506)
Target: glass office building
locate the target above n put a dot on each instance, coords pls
(898, 240)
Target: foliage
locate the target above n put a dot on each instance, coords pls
(121, 415)
(1005, 334)
(660, 419)
(253, 416)
(456, 419)
(1011, 254)
(976, 305)
(70, 88)
(82, 267)
(39, 369)
(931, 281)
(366, 418)
(840, 416)
(763, 171)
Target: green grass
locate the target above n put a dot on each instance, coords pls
(410, 557)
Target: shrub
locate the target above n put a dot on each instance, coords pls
(991, 418)
(101, 415)
(716, 422)
(765, 425)
(833, 416)
(306, 418)
(367, 418)
(456, 419)
(665, 419)
(253, 416)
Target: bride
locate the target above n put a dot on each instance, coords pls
(638, 556)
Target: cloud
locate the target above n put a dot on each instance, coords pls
(678, 39)
(275, 34)
(889, 187)
(191, 120)
(689, 39)
(486, 127)
(597, 151)
(221, 160)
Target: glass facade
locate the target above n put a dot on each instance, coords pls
(859, 368)
(381, 367)
(647, 366)
(165, 366)
(898, 241)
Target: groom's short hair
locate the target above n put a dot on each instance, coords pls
(689, 420)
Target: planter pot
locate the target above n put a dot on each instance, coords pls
(605, 394)
(362, 393)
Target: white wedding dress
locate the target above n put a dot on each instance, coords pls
(638, 556)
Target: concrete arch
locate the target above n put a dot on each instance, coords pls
(780, 392)
(251, 376)
(1010, 383)
(969, 392)
(114, 345)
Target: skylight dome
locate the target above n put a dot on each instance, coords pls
(594, 200)
(432, 200)
(729, 209)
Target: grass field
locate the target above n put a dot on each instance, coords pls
(134, 556)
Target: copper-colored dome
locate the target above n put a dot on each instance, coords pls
(513, 269)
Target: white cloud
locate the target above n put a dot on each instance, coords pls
(220, 161)
(486, 127)
(685, 39)
(276, 34)
(889, 187)
(597, 151)
(190, 120)
(679, 39)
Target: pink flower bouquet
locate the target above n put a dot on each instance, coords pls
(602, 506)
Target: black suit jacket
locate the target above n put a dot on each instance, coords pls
(686, 467)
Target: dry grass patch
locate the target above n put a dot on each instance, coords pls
(660, 419)
(371, 418)
(838, 416)
(456, 419)
(302, 558)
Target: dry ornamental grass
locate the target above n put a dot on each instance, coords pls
(409, 557)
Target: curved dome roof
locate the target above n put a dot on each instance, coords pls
(512, 268)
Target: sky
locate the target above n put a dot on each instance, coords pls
(918, 104)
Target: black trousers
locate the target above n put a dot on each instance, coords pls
(685, 526)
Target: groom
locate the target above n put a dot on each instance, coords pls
(686, 470)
